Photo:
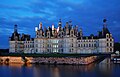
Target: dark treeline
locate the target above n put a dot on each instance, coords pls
(4, 51)
(117, 46)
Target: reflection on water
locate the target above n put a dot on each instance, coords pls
(105, 68)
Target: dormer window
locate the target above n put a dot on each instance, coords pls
(107, 35)
(71, 32)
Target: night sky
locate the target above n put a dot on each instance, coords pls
(87, 14)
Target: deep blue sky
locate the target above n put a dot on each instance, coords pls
(87, 14)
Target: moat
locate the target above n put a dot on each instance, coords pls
(105, 68)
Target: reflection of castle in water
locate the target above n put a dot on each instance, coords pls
(104, 68)
(56, 71)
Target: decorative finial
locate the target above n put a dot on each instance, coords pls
(104, 20)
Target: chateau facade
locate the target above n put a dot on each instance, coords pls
(68, 39)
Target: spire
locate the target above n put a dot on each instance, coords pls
(15, 28)
(40, 25)
(105, 29)
(67, 25)
(36, 28)
(104, 23)
(60, 22)
(53, 27)
(81, 32)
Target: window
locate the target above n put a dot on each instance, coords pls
(72, 45)
(71, 32)
(78, 45)
(62, 33)
(72, 50)
(110, 39)
(110, 49)
(61, 50)
(72, 40)
(48, 50)
(94, 45)
(37, 33)
(84, 45)
(81, 45)
(110, 44)
(89, 45)
(107, 39)
(107, 35)
(107, 49)
(36, 50)
(36, 45)
(107, 44)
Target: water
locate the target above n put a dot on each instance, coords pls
(104, 69)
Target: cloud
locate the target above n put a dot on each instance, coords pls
(69, 8)
(6, 31)
(13, 7)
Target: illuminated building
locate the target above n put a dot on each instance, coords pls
(67, 39)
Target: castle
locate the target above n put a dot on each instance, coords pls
(68, 39)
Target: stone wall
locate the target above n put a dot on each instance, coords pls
(8, 59)
(65, 60)
(49, 60)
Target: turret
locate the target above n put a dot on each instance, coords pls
(67, 28)
(60, 24)
(105, 29)
(81, 32)
(104, 23)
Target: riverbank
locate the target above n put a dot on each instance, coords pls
(49, 60)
